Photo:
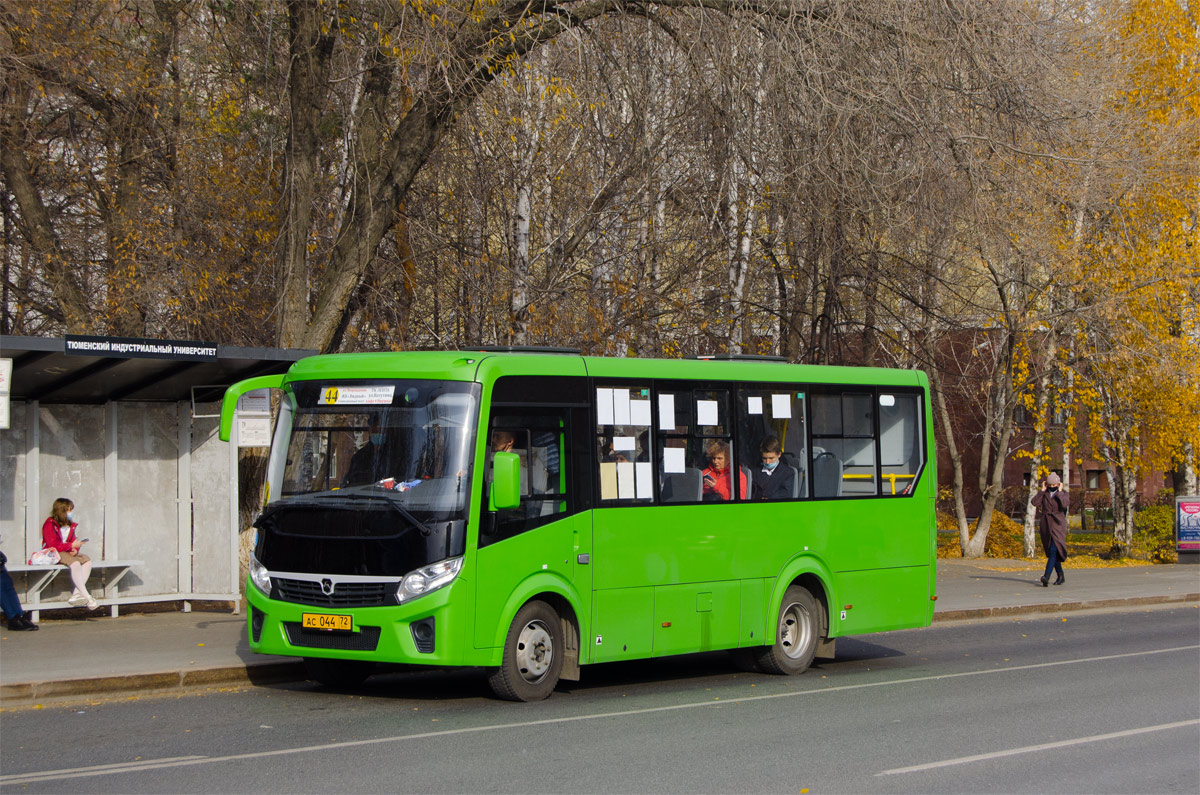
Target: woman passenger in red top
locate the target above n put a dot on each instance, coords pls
(717, 484)
(58, 533)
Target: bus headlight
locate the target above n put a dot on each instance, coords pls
(259, 576)
(428, 578)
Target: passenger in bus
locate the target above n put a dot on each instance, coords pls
(774, 479)
(609, 454)
(373, 461)
(503, 441)
(717, 483)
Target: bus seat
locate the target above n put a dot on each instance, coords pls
(685, 486)
(797, 481)
(827, 475)
(748, 479)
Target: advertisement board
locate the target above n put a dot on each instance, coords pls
(1187, 524)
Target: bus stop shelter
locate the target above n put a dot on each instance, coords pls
(127, 430)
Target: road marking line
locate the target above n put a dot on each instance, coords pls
(112, 767)
(55, 775)
(963, 760)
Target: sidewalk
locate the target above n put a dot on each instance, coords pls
(98, 655)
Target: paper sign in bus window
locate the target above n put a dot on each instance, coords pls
(626, 489)
(604, 407)
(645, 484)
(674, 459)
(666, 412)
(754, 405)
(620, 407)
(608, 481)
(639, 412)
(624, 443)
(781, 407)
(706, 412)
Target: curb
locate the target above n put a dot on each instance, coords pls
(1060, 607)
(20, 694)
(23, 694)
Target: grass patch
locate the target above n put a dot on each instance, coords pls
(1006, 540)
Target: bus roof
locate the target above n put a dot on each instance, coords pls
(472, 365)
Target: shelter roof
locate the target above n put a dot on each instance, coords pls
(77, 369)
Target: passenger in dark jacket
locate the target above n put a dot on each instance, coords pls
(773, 479)
(1052, 525)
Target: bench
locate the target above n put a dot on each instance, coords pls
(42, 574)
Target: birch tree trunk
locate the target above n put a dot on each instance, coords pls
(1041, 420)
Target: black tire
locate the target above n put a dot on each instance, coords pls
(797, 633)
(338, 673)
(533, 655)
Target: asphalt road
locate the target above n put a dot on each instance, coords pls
(1099, 702)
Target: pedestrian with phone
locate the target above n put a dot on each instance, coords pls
(58, 533)
(1053, 503)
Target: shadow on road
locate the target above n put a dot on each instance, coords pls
(417, 684)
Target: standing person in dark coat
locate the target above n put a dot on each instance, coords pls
(1052, 525)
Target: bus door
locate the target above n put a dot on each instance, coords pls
(548, 535)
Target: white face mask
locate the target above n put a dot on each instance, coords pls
(70, 516)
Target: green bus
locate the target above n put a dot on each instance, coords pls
(531, 511)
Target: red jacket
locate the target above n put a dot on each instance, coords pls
(52, 539)
(721, 486)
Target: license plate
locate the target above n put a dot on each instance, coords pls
(326, 621)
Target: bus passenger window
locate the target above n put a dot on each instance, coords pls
(900, 449)
(623, 421)
(843, 453)
(771, 439)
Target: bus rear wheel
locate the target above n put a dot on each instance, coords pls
(338, 673)
(533, 655)
(796, 635)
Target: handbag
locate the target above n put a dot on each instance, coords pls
(44, 557)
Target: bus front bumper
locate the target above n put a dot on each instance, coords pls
(422, 632)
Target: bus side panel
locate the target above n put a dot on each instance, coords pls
(696, 617)
(753, 626)
(875, 533)
(621, 624)
(882, 599)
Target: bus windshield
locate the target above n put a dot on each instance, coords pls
(410, 444)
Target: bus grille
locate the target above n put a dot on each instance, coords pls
(364, 640)
(346, 594)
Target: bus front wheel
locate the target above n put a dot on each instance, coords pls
(533, 655)
(796, 634)
(338, 673)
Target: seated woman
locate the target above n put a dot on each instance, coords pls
(717, 483)
(58, 532)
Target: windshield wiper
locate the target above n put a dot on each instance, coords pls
(359, 494)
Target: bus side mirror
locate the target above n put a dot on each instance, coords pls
(506, 482)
